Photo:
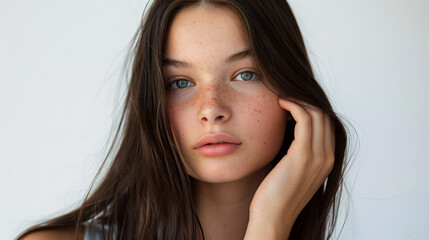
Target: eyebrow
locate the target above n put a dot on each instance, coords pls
(183, 64)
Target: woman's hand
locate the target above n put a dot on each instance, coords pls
(295, 179)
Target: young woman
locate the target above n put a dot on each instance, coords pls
(225, 133)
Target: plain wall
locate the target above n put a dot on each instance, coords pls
(60, 66)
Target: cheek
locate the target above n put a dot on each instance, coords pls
(177, 115)
(266, 121)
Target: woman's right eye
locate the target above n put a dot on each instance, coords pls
(181, 83)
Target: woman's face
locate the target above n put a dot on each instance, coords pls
(213, 91)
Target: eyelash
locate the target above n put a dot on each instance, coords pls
(174, 81)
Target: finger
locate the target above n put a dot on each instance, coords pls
(318, 128)
(303, 131)
(318, 131)
(329, 138)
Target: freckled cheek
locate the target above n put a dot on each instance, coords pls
(264, 120)
(261, 108)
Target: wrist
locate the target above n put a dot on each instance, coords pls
(260, 227)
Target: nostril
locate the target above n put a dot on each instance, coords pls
(218, 118)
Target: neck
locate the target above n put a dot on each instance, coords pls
(223, 208)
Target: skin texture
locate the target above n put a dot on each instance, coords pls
(291, 184)
(237, 195)
(217, 99)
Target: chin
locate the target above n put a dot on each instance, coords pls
(222, 173)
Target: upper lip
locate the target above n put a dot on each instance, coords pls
(216, 138)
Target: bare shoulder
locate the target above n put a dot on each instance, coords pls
(64, 233)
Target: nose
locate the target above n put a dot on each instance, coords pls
(214, 105)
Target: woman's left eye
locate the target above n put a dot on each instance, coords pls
(246, 76)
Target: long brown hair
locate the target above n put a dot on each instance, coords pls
(146, 192)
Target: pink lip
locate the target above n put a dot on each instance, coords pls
(225, 144)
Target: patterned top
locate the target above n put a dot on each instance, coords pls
(94, 231)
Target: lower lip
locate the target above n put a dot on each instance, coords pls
(215, 150)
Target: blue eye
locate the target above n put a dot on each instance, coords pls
(181, 83)
(247, 75)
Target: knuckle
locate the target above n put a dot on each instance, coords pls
(330, 162)
(327, 117)
(316, 110)
(306, 118)
(306, 157)
(319, 112)
(319, 162)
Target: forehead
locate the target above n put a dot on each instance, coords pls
(204, 32)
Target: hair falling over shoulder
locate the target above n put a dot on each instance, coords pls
(146, 192)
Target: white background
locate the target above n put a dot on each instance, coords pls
(60, 66)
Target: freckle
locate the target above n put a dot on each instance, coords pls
(265, 143)
(259, 111)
